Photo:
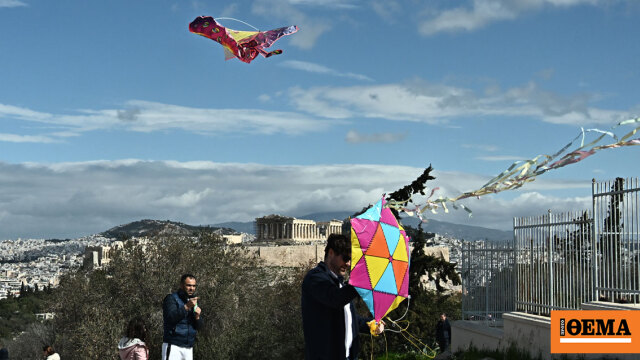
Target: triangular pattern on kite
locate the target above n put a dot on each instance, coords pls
(356, 251)
(364, 230)
(387, 282)
(392, 235)
(395, 304)
(401, 252)
(376, 267)
(386, 217)
(373, 213)
(399, 269)
(378, 245)
(381, 304)
(404, 289)
(360, 275)
(367, 297)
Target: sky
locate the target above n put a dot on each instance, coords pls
(112, 111)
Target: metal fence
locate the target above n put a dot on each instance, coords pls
(487, 281)
(559, 261)
(553, 262)
(617, 239)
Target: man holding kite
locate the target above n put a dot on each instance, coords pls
(329, 319)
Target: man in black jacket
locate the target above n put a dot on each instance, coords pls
(329, 318)
(443, 333)
(181, 318)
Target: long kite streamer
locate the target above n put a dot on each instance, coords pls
(522, 172)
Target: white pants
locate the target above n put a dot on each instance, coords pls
(176, 352)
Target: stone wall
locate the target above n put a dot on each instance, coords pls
(296, 255)
(289, 255)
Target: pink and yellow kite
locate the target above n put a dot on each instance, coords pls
(379, 259)
(244, 45)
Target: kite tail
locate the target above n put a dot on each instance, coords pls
(522, 172)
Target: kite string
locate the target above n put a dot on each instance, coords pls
(240, 21)
(412, 339)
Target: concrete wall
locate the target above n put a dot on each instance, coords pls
(465, 333)
(527, 332)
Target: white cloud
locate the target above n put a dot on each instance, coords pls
(75, 199)
(386, 9)
(483, 147)
(484, 12)
(26, 138)
(11, 3)
(355, 137)
(321, 69)
(145, 116)
(316, 109)
(439, 104)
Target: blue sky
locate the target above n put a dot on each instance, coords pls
(113, 111)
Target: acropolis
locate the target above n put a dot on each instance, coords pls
(289, 230)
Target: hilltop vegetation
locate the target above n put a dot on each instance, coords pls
(251, 312)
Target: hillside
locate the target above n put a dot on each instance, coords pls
(149, 227)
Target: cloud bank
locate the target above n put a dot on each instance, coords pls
(75, 199)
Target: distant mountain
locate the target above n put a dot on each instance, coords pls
(152, 227)
(460, 231)
(457, 231)
(243, 227)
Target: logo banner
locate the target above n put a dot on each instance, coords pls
(592, 331)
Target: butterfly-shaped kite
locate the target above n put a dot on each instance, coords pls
(244, 45)
(379, 259)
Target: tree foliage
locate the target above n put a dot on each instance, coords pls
(250, 311)
(16, 313)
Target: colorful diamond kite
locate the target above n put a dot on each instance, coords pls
(379, 259)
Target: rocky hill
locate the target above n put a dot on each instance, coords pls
(149, 227)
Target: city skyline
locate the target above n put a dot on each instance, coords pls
(114, 112)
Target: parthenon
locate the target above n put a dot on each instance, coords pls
(277, 228)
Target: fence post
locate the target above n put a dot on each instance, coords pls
(594, 248)
(463, 276)
(516, 270)
(551, 282)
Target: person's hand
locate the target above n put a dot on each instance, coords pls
(197, 312)
(376, 328)
(191, 303)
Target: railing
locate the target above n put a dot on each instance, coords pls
(617, 237)
(487, 281)
(559, 261)
(553, 262)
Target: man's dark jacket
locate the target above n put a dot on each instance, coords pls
(180, 325)
(443, 334)
(323, 304)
